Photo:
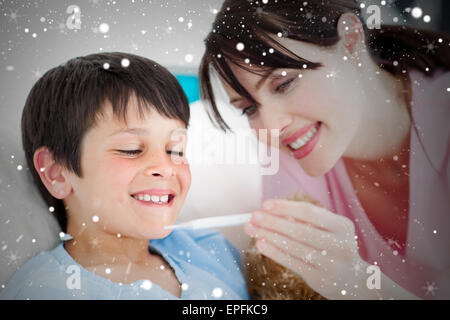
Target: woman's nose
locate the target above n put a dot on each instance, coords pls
(272, 119)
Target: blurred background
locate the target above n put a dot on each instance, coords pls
(37, 35)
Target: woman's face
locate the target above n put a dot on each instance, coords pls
(318, 112)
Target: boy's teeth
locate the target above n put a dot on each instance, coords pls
(153, 198)
(300, 142)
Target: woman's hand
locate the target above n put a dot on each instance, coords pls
(315, 243)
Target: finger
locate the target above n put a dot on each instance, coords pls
(283, 258)
(299, 250)
(307, 212)
(297, 231)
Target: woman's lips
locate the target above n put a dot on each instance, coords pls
(308, 146)
(297, 134)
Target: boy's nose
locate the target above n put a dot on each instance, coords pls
(160, 171)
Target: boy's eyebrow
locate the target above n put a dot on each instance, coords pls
(137, 131)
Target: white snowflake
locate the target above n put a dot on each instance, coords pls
(430, 47)
(146, 285)
(309, 257)
(430, 288)
(94, 242)
(217, 292)
(213, 10)
(95, 2)
(333, 75)
(391, 242)
(37, 73)
(13, 16)
(416, 12)
(135, 46)
(62, 28)
(357, 268)
(13, 257)
(103, 28)
(169, 30)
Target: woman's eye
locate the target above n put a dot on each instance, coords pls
(130, 152)
(283, 86)
(249, 111)
(177, 153)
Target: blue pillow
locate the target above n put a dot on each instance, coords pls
(190, 86)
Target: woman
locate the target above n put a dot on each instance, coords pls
(352, 106)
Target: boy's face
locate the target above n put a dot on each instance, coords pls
(115, 188)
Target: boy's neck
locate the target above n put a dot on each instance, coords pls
(91, 246)
(127, 259)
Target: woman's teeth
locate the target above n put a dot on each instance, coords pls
(155, 199)
(300, 142)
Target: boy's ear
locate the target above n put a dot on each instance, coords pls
(351, 32)
(51, 173)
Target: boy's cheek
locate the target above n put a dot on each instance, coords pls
(184, 174)
(117, 169)
(106, 179)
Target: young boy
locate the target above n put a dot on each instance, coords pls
(104, 136)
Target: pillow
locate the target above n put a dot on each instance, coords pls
(26, 225)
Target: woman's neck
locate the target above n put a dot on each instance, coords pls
(388, 171)
(386, 122)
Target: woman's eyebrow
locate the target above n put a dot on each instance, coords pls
(263, 79)
(257, 86)
(233, 100)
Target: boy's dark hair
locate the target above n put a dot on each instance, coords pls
(67, 100)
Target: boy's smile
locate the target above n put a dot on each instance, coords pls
(158, 197)
(134, 175)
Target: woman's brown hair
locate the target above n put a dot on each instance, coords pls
(396, 49)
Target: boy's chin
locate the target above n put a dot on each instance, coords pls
(159, 233)
(162, 234)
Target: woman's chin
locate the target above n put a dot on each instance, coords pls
(310, 171)
(315, 166)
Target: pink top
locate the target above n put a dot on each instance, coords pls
(423, 266)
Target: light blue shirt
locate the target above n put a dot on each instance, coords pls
(206, 264)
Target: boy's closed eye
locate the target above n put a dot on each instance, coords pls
(137, 152)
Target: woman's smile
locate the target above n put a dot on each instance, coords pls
(303, 141)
